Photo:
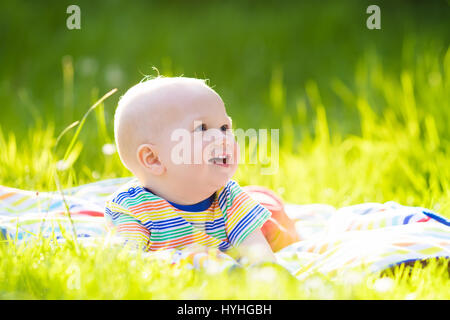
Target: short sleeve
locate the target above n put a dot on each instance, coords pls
(243, 215)
(127, 227)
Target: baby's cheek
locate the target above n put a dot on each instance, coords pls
(178, 154)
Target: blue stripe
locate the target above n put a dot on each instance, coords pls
(216, 223)
(437, 217)
(121, 196)
(148, 225)
(246, 221)
(224, 246)
(118, 198)
(162, 226)
(241, 226)
(407, 219)
(113, 215)
(214, 228)
(130, 193)
(223, 197)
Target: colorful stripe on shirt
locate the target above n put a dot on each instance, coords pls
(144, 219)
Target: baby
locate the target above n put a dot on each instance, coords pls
(183, 194)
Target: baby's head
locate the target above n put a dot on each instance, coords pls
(175, 136)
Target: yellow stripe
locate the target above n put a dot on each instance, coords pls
(240, 213)
(20, 200)
(431, 250)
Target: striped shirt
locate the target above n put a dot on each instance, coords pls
(153, 223)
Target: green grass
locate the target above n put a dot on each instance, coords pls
(363, 117)
(42, 271)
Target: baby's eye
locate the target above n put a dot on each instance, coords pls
(201, 127)
(224, 127)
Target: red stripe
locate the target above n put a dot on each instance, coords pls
(424, 219)
(90, 213)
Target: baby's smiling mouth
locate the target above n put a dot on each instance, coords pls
(223, 161)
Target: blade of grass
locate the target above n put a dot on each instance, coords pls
(83, 120)
(68, 151)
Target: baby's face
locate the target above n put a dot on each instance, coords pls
(195, 143)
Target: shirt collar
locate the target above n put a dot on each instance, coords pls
(196, 207)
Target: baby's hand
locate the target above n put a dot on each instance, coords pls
(255, 249)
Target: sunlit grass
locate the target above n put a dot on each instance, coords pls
(400, 150)
(45, 271)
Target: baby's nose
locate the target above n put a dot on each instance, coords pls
(220, 141)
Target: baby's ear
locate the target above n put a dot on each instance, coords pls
(148, 158)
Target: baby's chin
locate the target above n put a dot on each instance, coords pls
(219, 175)
(208, 178)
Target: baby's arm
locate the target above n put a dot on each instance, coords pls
(244, 220)
(255, 248)
(127, 228)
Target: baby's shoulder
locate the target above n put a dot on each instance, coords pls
(229, 190)
(230, 184)
(127, 193)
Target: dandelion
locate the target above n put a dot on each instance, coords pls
(62, 165)
(108, 149)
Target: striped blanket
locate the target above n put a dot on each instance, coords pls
(373, 236)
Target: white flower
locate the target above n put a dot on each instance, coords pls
(108, 149)
(62, 165)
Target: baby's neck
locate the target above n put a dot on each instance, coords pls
(177, 195)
